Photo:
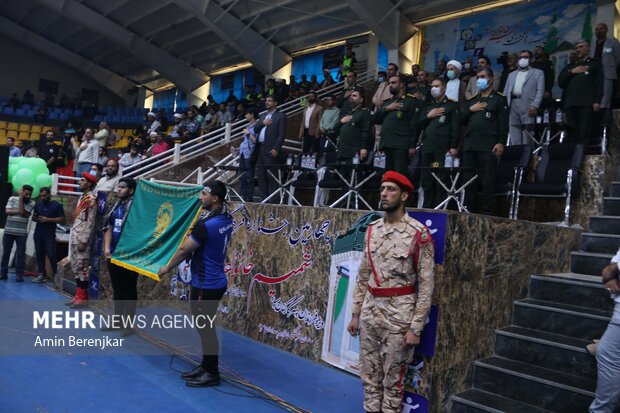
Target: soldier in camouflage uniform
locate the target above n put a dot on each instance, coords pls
(398, 253)
(81, 237)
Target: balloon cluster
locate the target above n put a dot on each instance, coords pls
(29, 171)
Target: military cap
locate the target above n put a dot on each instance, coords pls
(399, 179)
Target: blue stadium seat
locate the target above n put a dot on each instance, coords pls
(78, 112)
(54, 116)
(68, 112)
(115, 119)
(26, 106)
(8, 110)
(20, 112)
(125, 119)
(64, 116)
(30, 113)
(98, 118)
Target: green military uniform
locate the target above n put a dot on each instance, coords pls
(354, 135)
(581, 91)
(424, 90)
(343, 102)
(440, 134)
(485, 129)
(398, 131)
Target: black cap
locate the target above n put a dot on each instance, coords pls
(216, 187)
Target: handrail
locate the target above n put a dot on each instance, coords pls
(217, 138)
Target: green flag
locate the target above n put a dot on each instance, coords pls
(158, 221)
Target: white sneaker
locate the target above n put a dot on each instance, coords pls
(40, 279)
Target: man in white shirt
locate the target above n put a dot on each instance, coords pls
(524, 92)
(130, 157)
(108, 182)
(89, 152)
(153, 124)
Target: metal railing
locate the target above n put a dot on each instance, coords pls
(200, 145)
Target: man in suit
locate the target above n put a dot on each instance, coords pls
(524, 92)
(608, 52)
(271, 130)
(309, 126)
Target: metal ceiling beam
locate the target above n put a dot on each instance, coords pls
(168, 25)
(388, 23)
(115, 83)
(149, 12)
(244, 40)
(175, 70)
(438, 8)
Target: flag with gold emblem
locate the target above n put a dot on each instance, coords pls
(158, 221)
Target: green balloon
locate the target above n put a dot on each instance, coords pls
(42, 180)
(35, 191)
(22, 177)
(12, 170)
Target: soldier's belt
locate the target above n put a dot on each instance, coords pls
(391, 292)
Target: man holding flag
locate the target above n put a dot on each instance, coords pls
(206, 245)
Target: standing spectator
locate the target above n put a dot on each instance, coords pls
(355, 130)
(14, 101)
(50, 152)
(442, 69)
(314, 83)
(582, 82)
(293, 85)
(328, 80)
(608, 351)
(303, 83)
(80, 239)
(246, 164)
(422, 90)
(441, 123)
(524, 92)
(472, 90)
(454, 87)
(47, 214)
(511, 66)
(14, 151)
(541, 62)
(607, 51)
(468, 71)
(124, 281)
(223, 117)
(329, 120)
(231, 99)
(309, 127)
(486, 120)
(271, 129)
(382, 94)
(18, 210)
(131, 157)
(112, 176)
(88, 151)
(152, 124)
(350, 84)
(348, 62)
(398, 117)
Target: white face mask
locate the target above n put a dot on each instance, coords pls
(435, 92)
(467, 65)
(523, 62)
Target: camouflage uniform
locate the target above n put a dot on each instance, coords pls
(82, 231)
(386, 316)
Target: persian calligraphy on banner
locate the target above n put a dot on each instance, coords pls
(158, 221)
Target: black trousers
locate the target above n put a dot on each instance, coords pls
(579, 121)
(205, 302)
(125, 290)
(396, 160)
(434, 194)
(486, 164)
(266, 183)
(310, 144)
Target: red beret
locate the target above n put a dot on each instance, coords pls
(399, 179)
(89, 177)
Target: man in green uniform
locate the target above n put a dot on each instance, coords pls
(398, 117)
(355, 132)
(343, 100)
(486, 118)
(582, 82)
(441, 123)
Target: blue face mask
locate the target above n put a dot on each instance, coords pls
(381, 79)
(451, 74)
(482, 84)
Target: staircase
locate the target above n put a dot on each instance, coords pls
(540, 363)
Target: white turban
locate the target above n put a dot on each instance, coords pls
(456, 64)
(151, 114)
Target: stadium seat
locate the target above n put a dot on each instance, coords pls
(2, 133)
(36, 128)
(54, 116)
(20, 112)
(12, 134)
(12, 126)
(2, 124)
(30, 113)
(23, 136)
(8, 110)
(77, 112)
(34, 136)
(24, 127)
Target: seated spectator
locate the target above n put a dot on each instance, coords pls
(103, 134)
(160, 145)
(103, 156)
(211, 101)
(328, 79)
(314, 83)
(231, 99)
(303, 83)
(240, 112)
(210, 119)
(96, 170)
(223, 116)
(64, 101)
(14, 151)
(49, 100)
(41, 114)
(32, 153)
(191, 128)
(14, 102)
(152, 124)
(292, 84)
(131, 157)
(112, 175)
(282, 90)
(177, 128)
(250, 96)
(163, 120)
(141, 145)
(28, 98)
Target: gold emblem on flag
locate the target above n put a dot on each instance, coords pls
(164, 218)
